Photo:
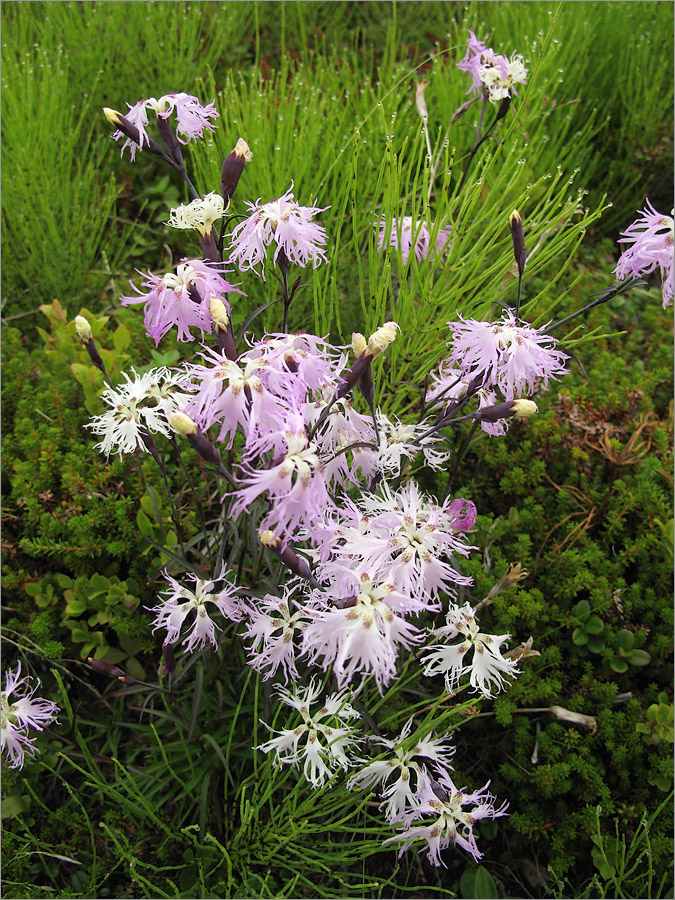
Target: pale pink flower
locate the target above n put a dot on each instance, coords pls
(342, 427)
(232, 395)
(362, 633)
(407, 234)
(271, 628)
(443, 820)
(476, 654)
(651, 236)
(286, 224)
(21, 714)
(400, 775)
(178, 602)
(300, 364)
(296, 490)
(192, 118)
(492, 70)
(320, 743)
(509, 355)
(404, 539)
(181, 300)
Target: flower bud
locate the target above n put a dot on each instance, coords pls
(233, 166)
(359, 345)
(104, 668)
(523, 409)
(113, 116)
(182, 424)
(219, 314)
(518, 238)
(380, 339)
(83, 328)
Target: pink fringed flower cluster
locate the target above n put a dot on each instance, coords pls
(651, 237)
(191, 119)
(490, 70)
(181, 300)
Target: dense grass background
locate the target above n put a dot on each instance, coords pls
(170, 802)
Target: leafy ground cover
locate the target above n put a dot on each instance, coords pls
(147, 794)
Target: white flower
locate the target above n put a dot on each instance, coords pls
(141, 405)
(18, 716)
(320, 744)
(200, 214)
(401, 793)
(487, 667)
(179, 602)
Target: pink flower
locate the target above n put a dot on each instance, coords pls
(444, 821)
(402, 538)
(18, 716)
(231, 395)
(178, 602)
(509, 355)
(272, 628)
(182, 299)
(652, 238)
(361, 635)
(286, 224)
(192, 118)
(486, 667)
(300, 364)
(407, 234)
(492, 70)
(295, 486)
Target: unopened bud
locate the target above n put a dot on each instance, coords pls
(523, 409)
(359, 344)
(518, 238)
(380, 339)
(104, 668)
(182, 424)
(233, 166)
(219, 314)
(112, 116)
(568, 715)
(83, 328)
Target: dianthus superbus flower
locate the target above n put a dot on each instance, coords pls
(651, 236)
(321, 742)
(441, 818)
(286, 224)
(474, 653)
(361, 634)
(182, 299)
(179, 601)
(21, 714)
(271, 626)
(139, 406)
(509, 355)
(191, 118)
(491, 70)
(401, 773)
(407, 235)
